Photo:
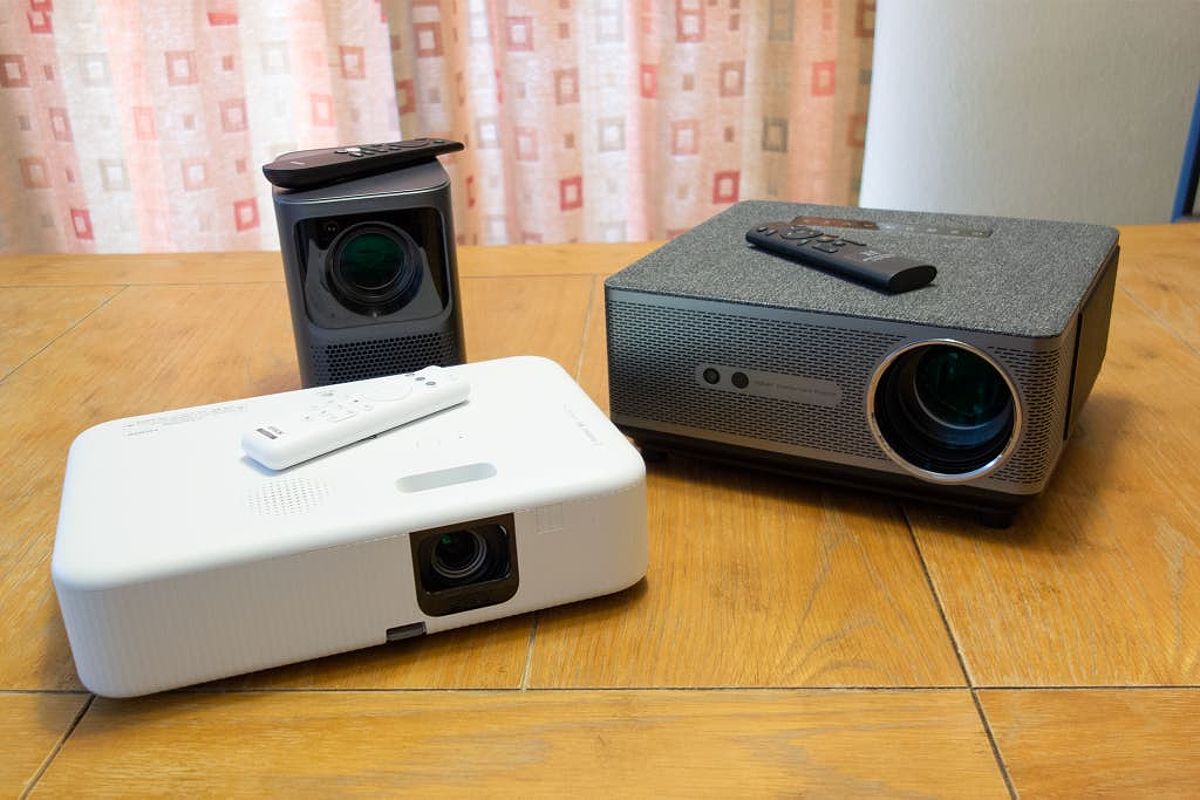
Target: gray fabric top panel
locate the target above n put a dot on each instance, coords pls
(1026, 279)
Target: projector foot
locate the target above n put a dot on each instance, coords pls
(651, 455)
(997, 519)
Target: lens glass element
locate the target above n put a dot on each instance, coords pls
(459, 555)
(374, 268)
(371, 261)
(958, 387)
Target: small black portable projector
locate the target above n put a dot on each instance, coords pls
(963, 391)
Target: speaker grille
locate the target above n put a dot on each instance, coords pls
(353, 361)
(1043, 381)
(287, 496)
(654, 351)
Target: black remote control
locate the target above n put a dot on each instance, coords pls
(847, 258)
(309, 168)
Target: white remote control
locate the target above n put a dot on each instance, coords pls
(334, 416)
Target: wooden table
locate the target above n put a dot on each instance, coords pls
(790, 638)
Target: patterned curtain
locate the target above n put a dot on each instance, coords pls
(133, 125)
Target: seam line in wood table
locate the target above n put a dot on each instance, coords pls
(1088, 687)
(1154, 315)
(937, 599)
(120, 290)
(125, 284)
(583, 335)
(533, 628)
(962, 662)
(58, 746)
(566, 689)
(991, 737)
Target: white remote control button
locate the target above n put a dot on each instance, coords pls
(325, 419)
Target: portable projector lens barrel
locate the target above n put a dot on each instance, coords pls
(944, 410)
(375, 268)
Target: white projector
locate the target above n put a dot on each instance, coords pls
(178, 559)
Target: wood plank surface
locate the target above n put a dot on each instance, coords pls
(1098, 742)
(545, 744)
(159, 347)
(31, 726)
(266, 266)
(1160, 269)
(756, 580)
(1098, 582)
(34, 316)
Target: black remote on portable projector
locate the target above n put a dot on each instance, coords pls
(847, 258)
(308, 168)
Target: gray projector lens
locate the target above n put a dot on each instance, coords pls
(945, 409)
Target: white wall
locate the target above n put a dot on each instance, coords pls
(1057, 109)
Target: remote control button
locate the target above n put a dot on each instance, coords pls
(740, 380)
(800, 236)
(827, 238)
(764, 229)
(824, 248)
(851, 241)
(343, 151)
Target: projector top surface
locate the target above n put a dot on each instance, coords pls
(167, 494)
(1010, 276)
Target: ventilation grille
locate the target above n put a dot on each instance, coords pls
(353, 361)
(654, 351)
(287, 496)
(1043, 382)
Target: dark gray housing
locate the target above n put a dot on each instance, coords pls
(335, 343)
(1033, 296)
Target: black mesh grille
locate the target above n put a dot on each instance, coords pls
(352, 361)
(654, 351)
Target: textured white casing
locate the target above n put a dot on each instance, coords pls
(179, 560)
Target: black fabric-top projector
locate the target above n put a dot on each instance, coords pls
(963, 391)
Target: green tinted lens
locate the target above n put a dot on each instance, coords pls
(371, 261)
(459, 554)
(959, 387)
